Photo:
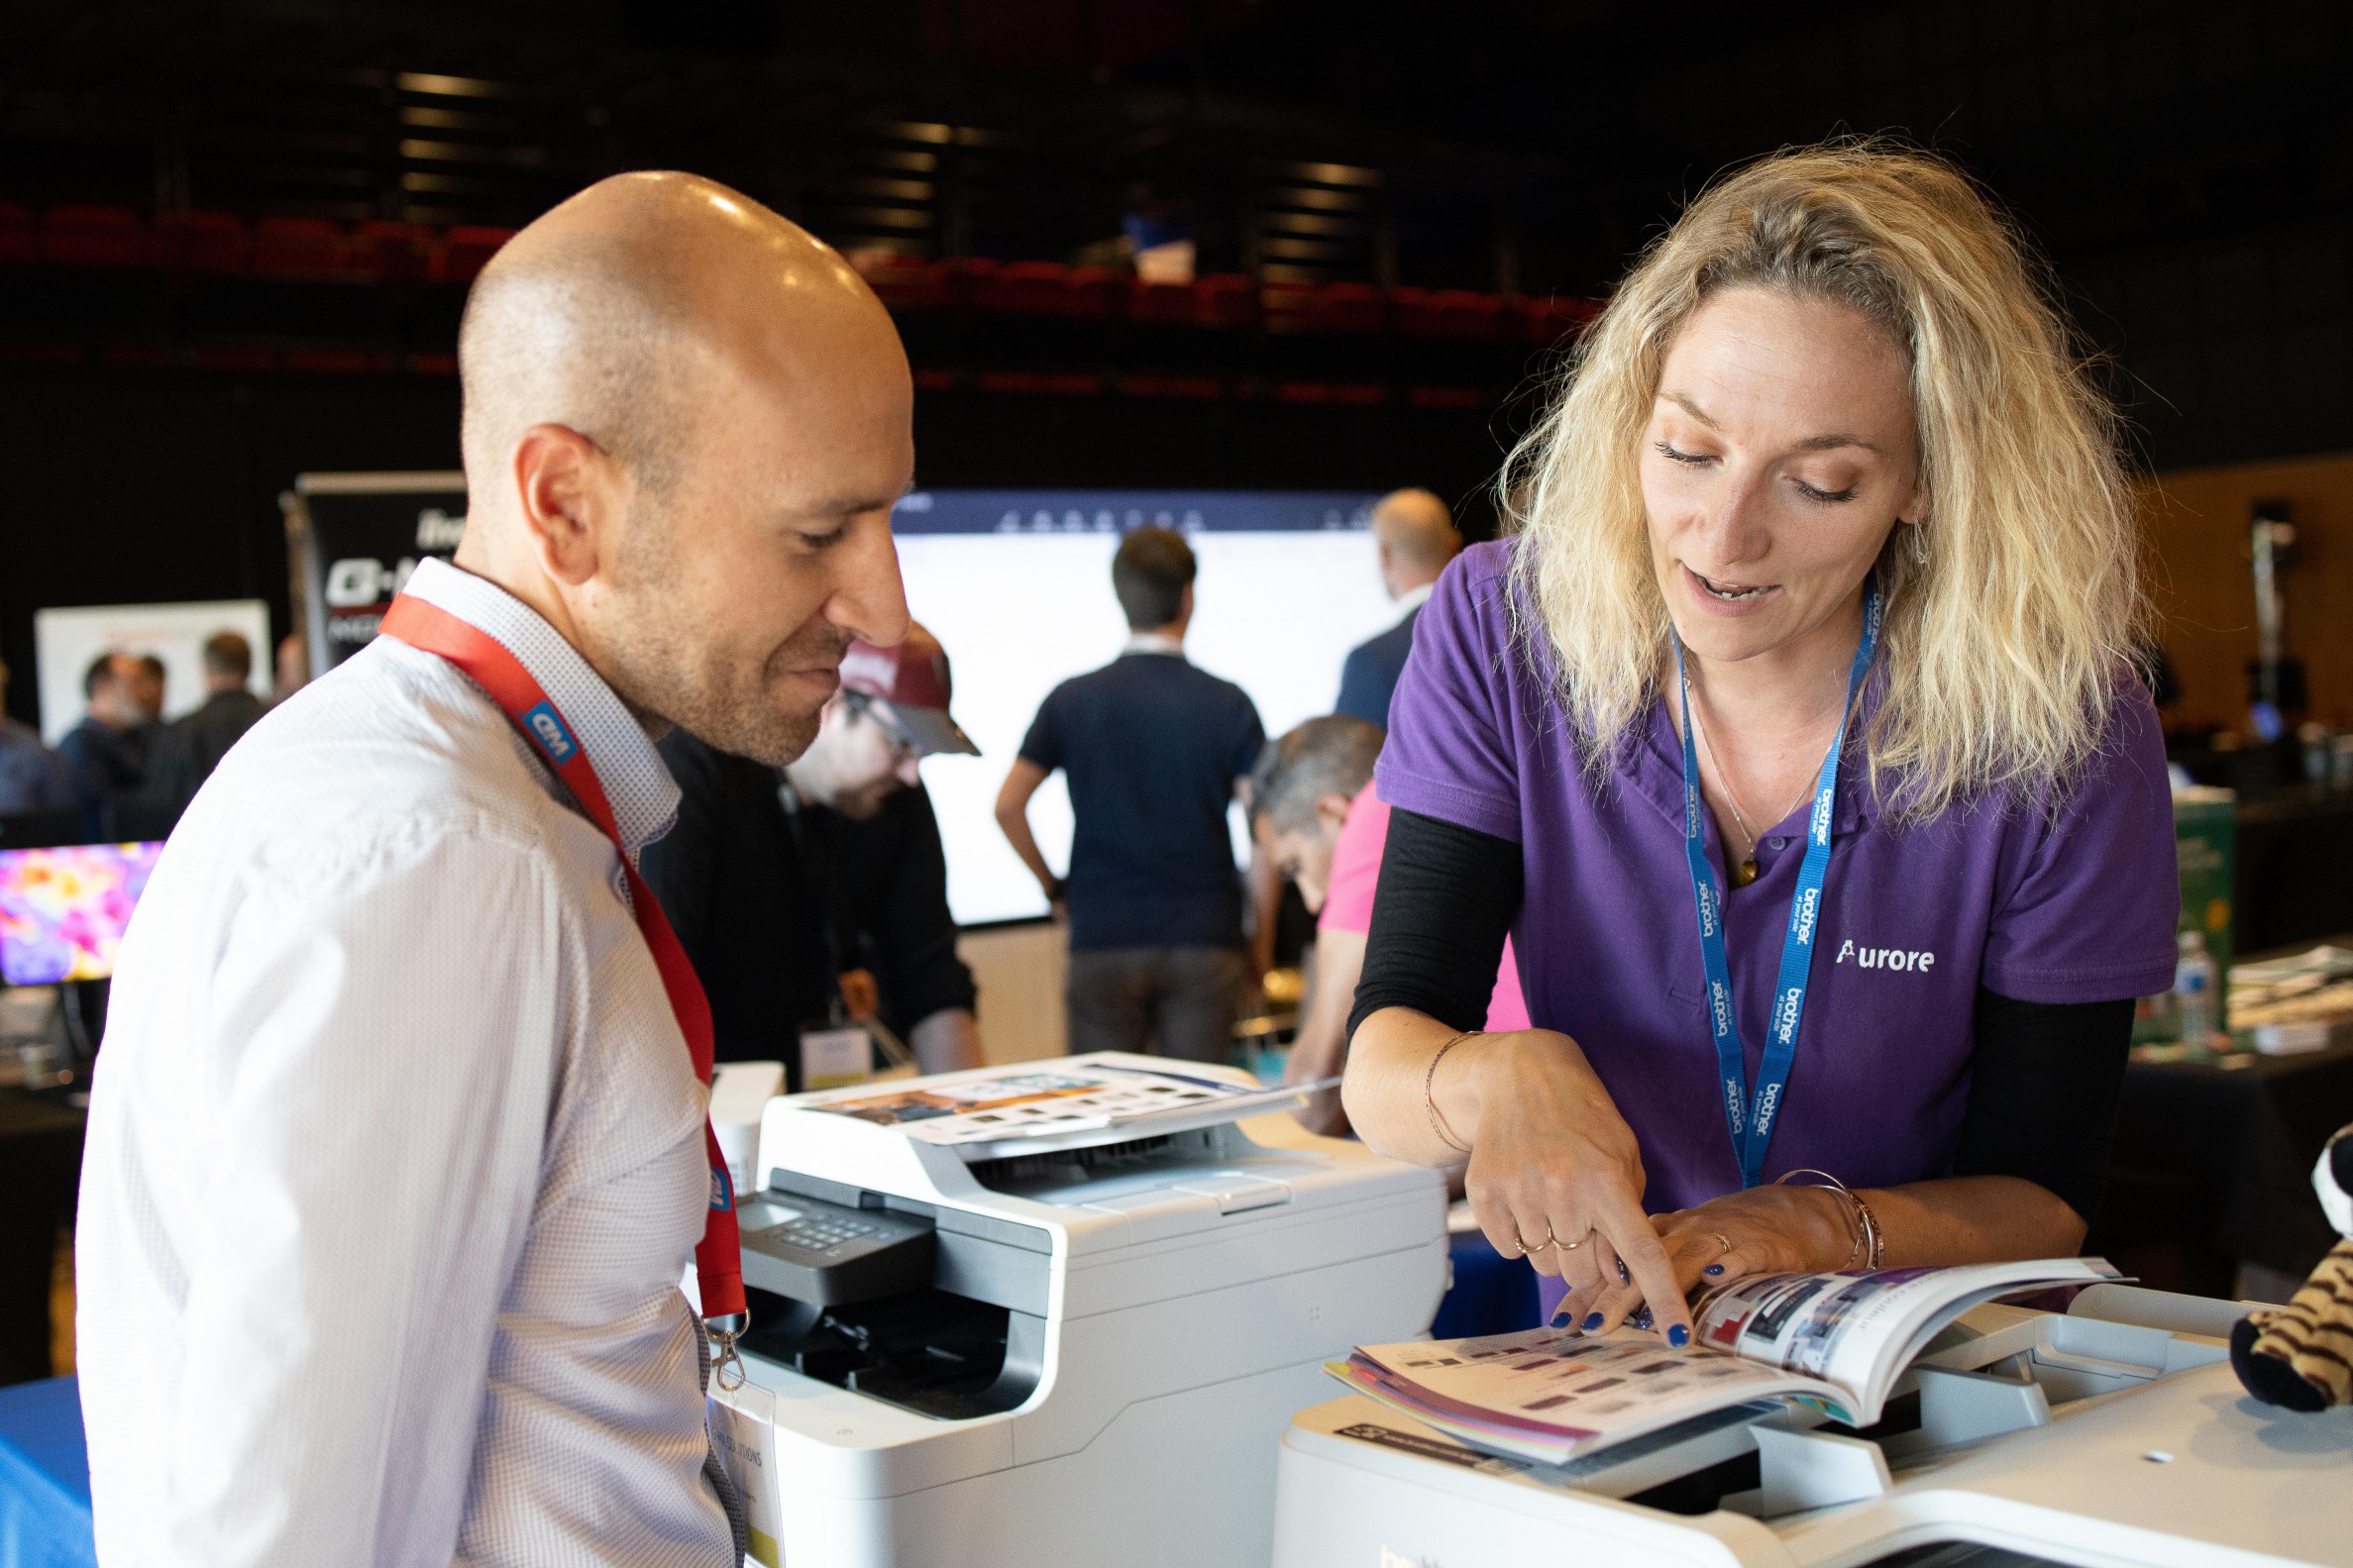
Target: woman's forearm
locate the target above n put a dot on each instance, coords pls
(1388, 1063)
(1972, 1220)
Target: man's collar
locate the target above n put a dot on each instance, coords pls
(1154, 643)
(643, 795)
(1413, 598)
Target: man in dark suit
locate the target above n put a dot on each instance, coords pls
(1415, 538)
(192, 747)
(105, 766)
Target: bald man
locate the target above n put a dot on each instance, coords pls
(398, 1155)
(1413, 536)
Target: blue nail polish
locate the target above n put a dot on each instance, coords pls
(1623, 1277)
(1591, 1322)
(1712, 1270)
(1678, 1336)
(1641, 1319)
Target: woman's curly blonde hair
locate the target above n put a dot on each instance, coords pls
(2002, 651)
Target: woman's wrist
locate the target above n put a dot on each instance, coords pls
(1831, 1230)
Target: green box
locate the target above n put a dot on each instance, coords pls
(2206, 837)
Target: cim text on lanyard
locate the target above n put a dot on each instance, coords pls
(718, 1260)
(1750, 1117)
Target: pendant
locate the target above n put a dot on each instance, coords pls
(1745, 874)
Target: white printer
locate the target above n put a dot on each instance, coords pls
(2115, 1434)
(1058, 1314)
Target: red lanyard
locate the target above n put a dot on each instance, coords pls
(718, 1260)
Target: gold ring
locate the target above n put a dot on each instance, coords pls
(1571, 1246)
(1722, 1240)
(1526, 1251)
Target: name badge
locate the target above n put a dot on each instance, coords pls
(835, 1058)
(744, 1435)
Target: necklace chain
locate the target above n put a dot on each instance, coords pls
(1725, 780)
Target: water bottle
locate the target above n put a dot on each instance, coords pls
(2194, 989)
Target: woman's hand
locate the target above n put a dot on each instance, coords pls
(1556, 1171)
(1763, 1230)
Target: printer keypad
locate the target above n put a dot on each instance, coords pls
(824, 1235)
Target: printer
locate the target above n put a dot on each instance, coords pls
(1054, 1314)
(2114, 1433)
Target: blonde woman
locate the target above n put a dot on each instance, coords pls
(1793, 741)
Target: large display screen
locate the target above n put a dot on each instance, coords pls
(64, 911)
(1016, 586)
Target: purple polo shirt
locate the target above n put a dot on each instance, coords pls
(2053, 904)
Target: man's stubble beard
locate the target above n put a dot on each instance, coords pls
(645, 648)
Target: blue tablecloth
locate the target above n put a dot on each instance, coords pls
(44, 1478)
(1492, 1294)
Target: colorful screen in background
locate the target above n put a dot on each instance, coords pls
(62, 911)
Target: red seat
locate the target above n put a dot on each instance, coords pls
(1550, 318)
(1086, 291)
(391, 249)
(16, 232)
(1448, 313)
(300, 247)
(465, 249)
(201, 242)
(1224, 299)
(963, 278)
(1025, 288)
(902, 282)
(1324, 307)
(1165, 304)
(95, 237)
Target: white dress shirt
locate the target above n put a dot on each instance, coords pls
(396, 1153)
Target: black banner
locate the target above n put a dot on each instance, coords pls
(353, 539)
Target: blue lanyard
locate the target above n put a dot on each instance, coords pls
(1752, 1120)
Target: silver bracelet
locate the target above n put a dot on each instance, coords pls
(1438, 1123)
(1870, 1248)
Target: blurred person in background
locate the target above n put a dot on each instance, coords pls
(105, 762)
(149, 687)
(1153, 750)
(31, 777)
(1415, 538)
(191, 747)
(292, 672)
(1316, 821)
(816, 894)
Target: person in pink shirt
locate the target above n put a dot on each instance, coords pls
(1319, 823)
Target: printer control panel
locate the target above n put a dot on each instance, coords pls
(827, 1254)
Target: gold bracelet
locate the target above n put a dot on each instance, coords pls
(1438, 1123)
(1870, 1248)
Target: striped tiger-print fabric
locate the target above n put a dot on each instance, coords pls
(2314, 1332)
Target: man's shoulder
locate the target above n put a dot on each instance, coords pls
(391, 743)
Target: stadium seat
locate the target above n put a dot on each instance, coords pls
(201, 242)
(95, 237)
(463, 251)
(391, 251)
(301, 248)
(1448, 313)
(1224, 299)
(16, 232)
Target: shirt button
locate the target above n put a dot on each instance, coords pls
(1777, 843)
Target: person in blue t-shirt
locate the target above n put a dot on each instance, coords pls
(1416, 537)
(1153, 750)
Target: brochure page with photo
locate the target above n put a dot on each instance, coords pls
(1837, 1341)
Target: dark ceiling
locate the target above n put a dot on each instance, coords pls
(2187, 168)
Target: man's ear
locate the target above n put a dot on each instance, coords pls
(1332, 810)
(565, 494)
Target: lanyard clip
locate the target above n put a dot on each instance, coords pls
(725, 1359)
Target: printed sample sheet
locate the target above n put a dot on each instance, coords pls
(1036, 1105)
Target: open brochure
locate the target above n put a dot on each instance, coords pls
(1838, 1341)
(1029, 1104)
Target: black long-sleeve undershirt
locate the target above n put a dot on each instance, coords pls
(2044, 1078)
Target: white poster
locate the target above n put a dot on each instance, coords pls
(65, 641)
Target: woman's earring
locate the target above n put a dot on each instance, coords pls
(1919, 544)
